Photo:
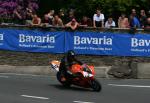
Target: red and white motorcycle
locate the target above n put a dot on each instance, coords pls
(85, 79)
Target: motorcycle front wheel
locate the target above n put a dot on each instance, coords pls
(95, 85)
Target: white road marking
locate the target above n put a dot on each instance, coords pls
(82, 102)
(20, 74)
(35, 97)
(4, 76)
(17, 74)
(135, 86)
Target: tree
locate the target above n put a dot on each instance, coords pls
(7, 8)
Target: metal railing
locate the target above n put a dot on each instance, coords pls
(80, 28)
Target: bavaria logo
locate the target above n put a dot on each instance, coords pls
(89, 40)
(38, 39)
(139, 42)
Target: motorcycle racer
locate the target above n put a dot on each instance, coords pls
(66, 63)
(71, 71)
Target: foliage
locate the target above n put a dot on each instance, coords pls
(8, 6)
(82, 7)
(109, 7)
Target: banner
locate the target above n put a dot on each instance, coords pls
(100, 43)
(32, 40)
(93, 43)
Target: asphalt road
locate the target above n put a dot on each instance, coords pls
(46, 89)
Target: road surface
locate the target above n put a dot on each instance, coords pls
(46, 89)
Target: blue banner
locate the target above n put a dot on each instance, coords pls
(94, 43)
(109, 43)
(32, 41)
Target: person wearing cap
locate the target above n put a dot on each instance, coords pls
(73, 24)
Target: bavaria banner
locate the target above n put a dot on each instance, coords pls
(32, 40)
(109, 43)
(94, 43)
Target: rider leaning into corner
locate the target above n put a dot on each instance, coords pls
(66, 62)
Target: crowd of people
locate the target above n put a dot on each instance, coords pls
(62, 19)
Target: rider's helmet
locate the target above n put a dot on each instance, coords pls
(71, 55)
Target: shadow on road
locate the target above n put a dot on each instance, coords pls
(72, 88)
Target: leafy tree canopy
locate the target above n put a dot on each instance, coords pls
(88, 7)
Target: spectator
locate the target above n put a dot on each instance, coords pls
(123, 21)
(133, 12)
(110, 23)
(51, 15)
(57, 21)
(98, 19)
(148, 23)
(73, 24)
(62, 15)
(134, 22)
(46, 21)
(70, 16)
(36, 21)
(29, 16)
(133, 19)
(18, 15)
(86, 21)
(143, 18)
(148, 13)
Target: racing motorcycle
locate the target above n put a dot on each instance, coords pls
(84, 79)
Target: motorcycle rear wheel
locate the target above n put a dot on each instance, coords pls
(95, 85)
(65, 83)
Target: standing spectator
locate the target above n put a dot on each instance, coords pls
(110, 23)
(123, 21)
(98, 19)
(133, 19)
(73, 24)
(57, 21)
(36, 21)
(133, 12)
(134, 22)
(148, 13)
(70, 16)
(62, 15)
(18, 15)
(143, 18)
(51, 15)
(148, 23)
(29, 16)
(86, 21)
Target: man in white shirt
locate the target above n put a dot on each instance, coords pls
(110, 23)
(98, 19)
